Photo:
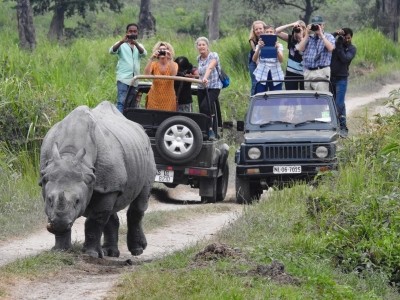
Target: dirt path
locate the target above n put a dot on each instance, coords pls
(95, 278)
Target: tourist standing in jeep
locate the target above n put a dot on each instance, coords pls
(317, 54)
(129, 53)
(162, 93)
(208, 62)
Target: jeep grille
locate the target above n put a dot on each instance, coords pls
(288, 152)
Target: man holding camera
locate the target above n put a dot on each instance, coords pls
(129, 53)
(317, 53)
(341, 58)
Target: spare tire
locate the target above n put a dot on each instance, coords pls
(179, 139)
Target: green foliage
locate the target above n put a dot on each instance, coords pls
(351, 220)
(72, 7)
(358, 211)
(21, 206)
(374, 48)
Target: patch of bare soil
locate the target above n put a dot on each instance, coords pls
(275, 272)
(216, 251)
(95, 278)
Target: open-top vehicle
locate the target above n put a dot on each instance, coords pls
(183, 151)
(288, 136)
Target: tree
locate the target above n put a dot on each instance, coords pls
(26, 29)
(387, 18)
(306, 7)
(68, 8)
(147, 22)
(213, 21)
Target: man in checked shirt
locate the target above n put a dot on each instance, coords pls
(317, 54)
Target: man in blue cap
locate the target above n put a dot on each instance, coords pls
(317, 47)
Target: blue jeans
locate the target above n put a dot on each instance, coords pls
(252, 67)
(269, 86)
(339, 86)
(122, 89)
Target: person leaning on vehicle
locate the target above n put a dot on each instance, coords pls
(317, 54)
(129, 53)
(341, 58)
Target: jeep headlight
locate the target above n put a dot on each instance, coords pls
(254, 153)
(321, 152)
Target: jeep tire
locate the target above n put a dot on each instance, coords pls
(222, 183)
(178, 139)
(246, 192)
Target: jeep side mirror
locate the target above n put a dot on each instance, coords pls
(240, 126)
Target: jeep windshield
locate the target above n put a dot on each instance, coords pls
(290, 110)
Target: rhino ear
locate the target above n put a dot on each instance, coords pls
(89, 179)
(56, 153)
(43, 180)
(81, 153)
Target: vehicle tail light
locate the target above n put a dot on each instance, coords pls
(196, 172)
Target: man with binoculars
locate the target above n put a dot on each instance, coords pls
(317, 47)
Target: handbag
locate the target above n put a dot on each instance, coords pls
(224, 78)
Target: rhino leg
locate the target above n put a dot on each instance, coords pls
(63, 241)
(93, 231)
(136, 239)
(98, 213)
(110, 245)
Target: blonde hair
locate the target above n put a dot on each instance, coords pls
(167, 45)
(252, 35)
(202, 39)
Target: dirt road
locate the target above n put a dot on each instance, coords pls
(95, 278)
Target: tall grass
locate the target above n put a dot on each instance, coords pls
(38, 89)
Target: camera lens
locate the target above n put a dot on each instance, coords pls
(162, 52)
(296, 29)
(314, 27)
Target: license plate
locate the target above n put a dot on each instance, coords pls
(286, 169)
(164, 176)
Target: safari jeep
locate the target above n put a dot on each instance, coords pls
(183, 152)
(288, 136)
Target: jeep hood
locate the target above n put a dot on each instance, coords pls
(297, 136)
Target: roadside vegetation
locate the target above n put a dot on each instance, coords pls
(339, 239)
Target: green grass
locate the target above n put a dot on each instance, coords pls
(277, 228)
(340, 239)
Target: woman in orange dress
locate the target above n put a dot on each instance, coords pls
(161, 95)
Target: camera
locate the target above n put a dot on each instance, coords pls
(314, 27)
(162, 52)
(296, 29)
(132, 36)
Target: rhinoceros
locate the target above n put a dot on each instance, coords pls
(94, 163)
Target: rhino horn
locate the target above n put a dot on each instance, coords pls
(56, 153)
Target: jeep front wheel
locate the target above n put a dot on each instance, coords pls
(179, 139)
(246, 193)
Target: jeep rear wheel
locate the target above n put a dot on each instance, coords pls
(208, 186)
(246, 192)
(222, 183)
(179, 139)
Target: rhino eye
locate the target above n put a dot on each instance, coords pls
(77, 202)
(50, 201)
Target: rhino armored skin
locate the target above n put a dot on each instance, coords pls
(95, 163)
